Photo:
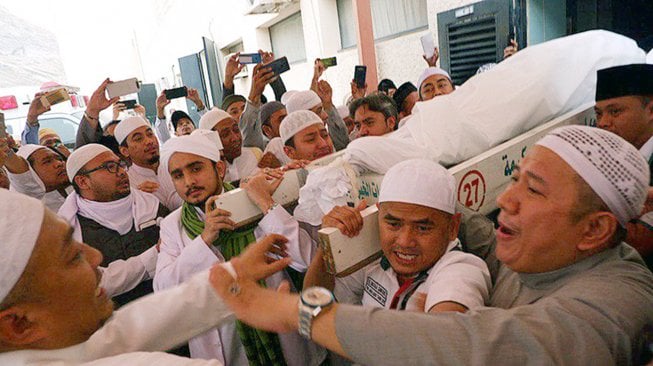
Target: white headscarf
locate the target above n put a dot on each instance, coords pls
(612, 167)
(25, 152)
(420, 182)
(21, 218)
(127, 126)
(297, 121)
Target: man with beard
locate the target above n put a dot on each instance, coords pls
(305, 137)
(199, 234)
(139, 144)
(106, 214)
(38, 172)
(241, 163)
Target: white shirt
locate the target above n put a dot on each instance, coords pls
(181, 257)
(275, 146)
(457, 276)
(243, 166)
(136, 333)
(166, 193)
(647, 149)
(30, 184)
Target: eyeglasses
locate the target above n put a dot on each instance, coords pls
(110, 166)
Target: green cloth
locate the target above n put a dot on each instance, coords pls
(262, 348)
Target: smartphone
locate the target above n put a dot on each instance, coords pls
(328, 62)
(360, 74)
(123, 87)
(428, 44)
(129, 104)
(176, 93)
(279, 66)
(249, 58)
(54, 97)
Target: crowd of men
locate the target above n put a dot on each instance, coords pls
(116, 253)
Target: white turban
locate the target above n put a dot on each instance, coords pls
(212, 117)
(612, 167)
(430, 71)
(81, 156)
(127, 126)
(343, 111)
(21, 218)
(198, 144)
(26, 150)
(297, 121)
(287, 95)
(420, 182)
(303, 100)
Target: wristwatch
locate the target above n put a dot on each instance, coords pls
(311, 303)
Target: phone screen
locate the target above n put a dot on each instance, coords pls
(249, 58)
(129, 104)
(360, 73)
(328, 62)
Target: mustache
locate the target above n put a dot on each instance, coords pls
(193, 188)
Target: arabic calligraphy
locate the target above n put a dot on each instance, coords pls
(512, 164)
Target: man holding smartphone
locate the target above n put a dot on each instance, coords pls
(161, 125)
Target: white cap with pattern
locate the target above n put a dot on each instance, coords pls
(612, 167)
(303, 100)
(81, 156)
(297, 121)
(127, 126)
(212, 118)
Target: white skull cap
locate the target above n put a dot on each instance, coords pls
(297, 121)
(127, 126)
(21, 218)
(612, 167)
(420, 182)
(81, 156)
(303, 100)
(212, 118)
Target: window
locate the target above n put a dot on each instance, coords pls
(389, 18)
(65, 127)
(287, 38)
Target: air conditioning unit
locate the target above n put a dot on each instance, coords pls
(266, 6)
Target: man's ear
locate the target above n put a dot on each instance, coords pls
(17, 330)
(392, 123)
(598, 229)
(81, 181)
(124, 151)
(221, 168)
(267, 131)
(454, 226)
(290, 151)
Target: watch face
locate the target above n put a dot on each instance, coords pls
(317, 296)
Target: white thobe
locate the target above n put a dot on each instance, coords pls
(243, 166)
(181, 257)
(136, 333)
(29, 184)
(166, 192)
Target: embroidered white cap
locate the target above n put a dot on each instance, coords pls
(297, 121)
(303, 100)
(612, 167)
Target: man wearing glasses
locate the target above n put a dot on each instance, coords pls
(119, 222)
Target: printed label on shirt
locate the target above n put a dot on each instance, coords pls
(376, 291)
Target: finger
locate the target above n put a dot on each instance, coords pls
(215, 212)
(278, 252)
(361, 205)
(275, 183)
(278, 265)
(225, 226)
(210, 204)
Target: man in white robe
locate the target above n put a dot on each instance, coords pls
(139, 143)
(190, 245)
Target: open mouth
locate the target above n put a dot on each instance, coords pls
(506, 231)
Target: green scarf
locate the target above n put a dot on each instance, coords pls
(262, 348)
